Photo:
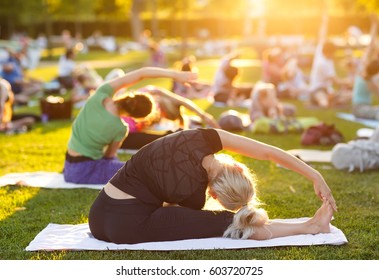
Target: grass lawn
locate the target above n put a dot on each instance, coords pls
(25, 211)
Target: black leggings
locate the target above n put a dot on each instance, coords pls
(129, 221)
(16, 117)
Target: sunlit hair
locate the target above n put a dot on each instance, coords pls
(70, 52)
(231, 72)
(136, 104)
(6, 90)
(271, 54)
(371, 69)
(234, 187)
(262, 87)
(328, 49)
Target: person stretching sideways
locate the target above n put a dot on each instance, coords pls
(98, 131)
(159, 194)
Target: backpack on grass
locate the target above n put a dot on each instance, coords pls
(282, 126)
(55, 108)
(321, 134)
(231, 120)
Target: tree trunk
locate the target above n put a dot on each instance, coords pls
(48, 29)
(136, 23)
(11, 26)
(154, 20)
(184, 30)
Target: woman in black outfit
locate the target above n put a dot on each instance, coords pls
(180, 169)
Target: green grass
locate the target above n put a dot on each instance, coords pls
(25, 211)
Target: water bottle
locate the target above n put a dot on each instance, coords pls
(44, 118)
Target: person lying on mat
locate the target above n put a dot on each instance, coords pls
(159, 194)
(98, 130)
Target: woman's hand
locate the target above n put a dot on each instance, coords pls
(185, 77)
(323, 192)
(209, 120)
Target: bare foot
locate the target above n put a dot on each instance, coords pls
(320, 223)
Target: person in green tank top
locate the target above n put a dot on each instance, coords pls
(98, 130)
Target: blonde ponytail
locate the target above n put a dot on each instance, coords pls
(234, 187)
(245, 221)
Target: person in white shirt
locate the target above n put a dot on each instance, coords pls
(66, 67)
(223, 89)
(323, 75)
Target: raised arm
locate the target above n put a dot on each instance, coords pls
(257, 150)
(232, 55)
(323, 31)
(367, 55)
(188, 104)
(135, 76)
(111, 150)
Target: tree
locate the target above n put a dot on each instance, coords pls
(136, 23)
(74, 10)
(112, 10)
(369, 5)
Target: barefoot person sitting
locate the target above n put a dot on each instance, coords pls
(160, 193)
(265, 104)
(9, 122)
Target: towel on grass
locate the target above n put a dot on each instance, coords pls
(42, 179)
(79, 237)
(309, 155)
(352, 118)
(365, 132)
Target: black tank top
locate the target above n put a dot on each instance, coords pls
(170, 169)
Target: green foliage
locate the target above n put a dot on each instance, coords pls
(369, 5)
(32, 11)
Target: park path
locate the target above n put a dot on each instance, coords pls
(121, 62)
(90, 63)
(236, 62)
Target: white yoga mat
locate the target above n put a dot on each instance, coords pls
(365, 132)
(42, 179)
(352, 118)
(309, 155)
(78, 237)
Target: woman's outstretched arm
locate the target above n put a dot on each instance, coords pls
(368, 53)
(258, 150)
(135, 76)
